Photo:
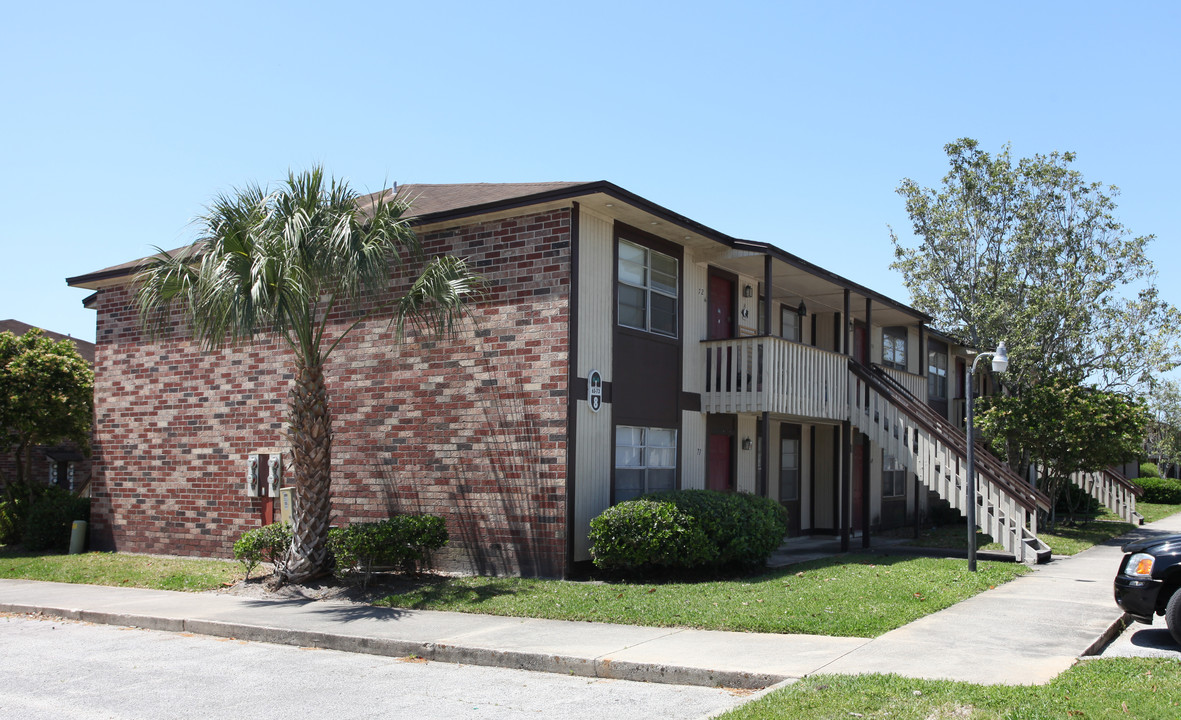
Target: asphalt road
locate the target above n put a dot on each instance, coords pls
(63, 669)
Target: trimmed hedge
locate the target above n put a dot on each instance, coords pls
(1149, 470)
(1165, 491)
(401, 540)
(687, 529)
(646, 533)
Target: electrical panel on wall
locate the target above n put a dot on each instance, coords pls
(253, 486)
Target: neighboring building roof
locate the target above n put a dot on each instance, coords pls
(16, 327)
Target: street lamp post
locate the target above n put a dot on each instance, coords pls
(1000, 363)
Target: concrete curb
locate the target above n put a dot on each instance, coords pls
(540, 662)
(1111, 633)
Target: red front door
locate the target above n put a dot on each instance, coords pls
(720, 468)
(860, 347)
(721, 308)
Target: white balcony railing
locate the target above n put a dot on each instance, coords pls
(768, 374)
(915, 384)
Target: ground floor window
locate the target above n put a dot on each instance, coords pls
(645, 461)
(893, 477)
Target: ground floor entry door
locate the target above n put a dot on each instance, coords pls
(789, 475)
(720, 468)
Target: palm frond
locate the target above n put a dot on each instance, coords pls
(439, 298)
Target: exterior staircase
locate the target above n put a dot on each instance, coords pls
(936, 452)
(1116, 492)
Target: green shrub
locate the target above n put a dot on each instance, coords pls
(402, 540)
(646, 533)
(51, 518)
(1149, 470)
(743, 528)
(1075, 500)
(269, 542)
(688, 529)
(15, 503)
(1165, 491)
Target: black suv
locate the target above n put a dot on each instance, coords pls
(1149, 579)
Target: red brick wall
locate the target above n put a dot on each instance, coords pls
(471, 428)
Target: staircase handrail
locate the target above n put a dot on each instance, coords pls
(992, 469)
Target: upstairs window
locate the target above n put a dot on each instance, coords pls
(789, 323)
(645, 461)
(894, 347)
(648, 287)
(937, 372)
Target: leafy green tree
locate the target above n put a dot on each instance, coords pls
(1067, 428)
(1032, 254)
(46, 396)
(1162, 441)
(281, 263)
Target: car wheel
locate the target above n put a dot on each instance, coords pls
(1173, 615)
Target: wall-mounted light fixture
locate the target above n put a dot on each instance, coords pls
(747, 443)
(748, 290)
(801, 310)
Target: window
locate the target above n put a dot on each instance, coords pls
(937, 371)
(789, 470)
(647, 289)
(645, 461)
(789, 323)
(893, 477)
(894, 347)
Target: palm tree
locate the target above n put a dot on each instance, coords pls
(281, 263)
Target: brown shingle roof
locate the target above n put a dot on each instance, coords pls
(426, 199)
(16, 327)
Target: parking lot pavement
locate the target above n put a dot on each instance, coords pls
(1138, 640)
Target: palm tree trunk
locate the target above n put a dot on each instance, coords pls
(310, 435)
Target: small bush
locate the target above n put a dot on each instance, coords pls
(1149, 470)
(688, 529)
(1165, 491)
(15, 503)
(646, 533)
(402, 540)
(269, 542)
(1076, 501)
(51, 518)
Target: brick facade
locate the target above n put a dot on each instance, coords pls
(472, 428)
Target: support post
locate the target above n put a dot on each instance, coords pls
(846, 482)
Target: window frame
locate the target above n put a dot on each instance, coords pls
(897, 474)
(896, 333)
(648, 288)
(784, 313)
(935, 378)
(645, 467)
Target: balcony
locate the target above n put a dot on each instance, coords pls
(769, 374)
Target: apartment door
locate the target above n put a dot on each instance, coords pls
(860, 346)
(789, 475)
(721, 308)
(720, 468)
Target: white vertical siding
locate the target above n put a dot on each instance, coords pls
(748, 325)
(692, 450)
(914, 363)
(747, 425)
(825, 332)
(593, 460)
(596, 274)
(696, 304)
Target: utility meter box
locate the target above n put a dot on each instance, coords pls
(286, 504)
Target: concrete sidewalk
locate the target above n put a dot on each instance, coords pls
(1025, 632)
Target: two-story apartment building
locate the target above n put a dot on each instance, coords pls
(622, 349)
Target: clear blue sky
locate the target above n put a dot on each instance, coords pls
(783, 122)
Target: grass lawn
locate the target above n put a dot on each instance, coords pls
(1156, 511)
(143, 571)
(1141, 688)
(1063, 540)
(854, 595)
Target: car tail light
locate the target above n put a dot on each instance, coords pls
(1140, 565)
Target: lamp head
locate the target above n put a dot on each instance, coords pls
(1000, 359)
